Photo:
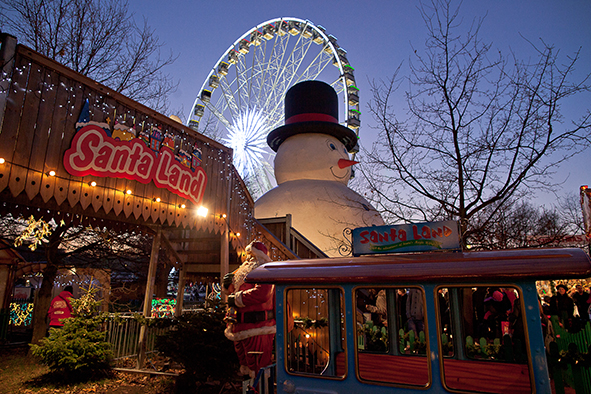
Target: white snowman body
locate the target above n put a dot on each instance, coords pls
(312, 187)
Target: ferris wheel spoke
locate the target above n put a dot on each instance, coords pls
(271, 92)
(241, 81)
(316, 67)
(338, 85)
(227, 99)
(282, 62)
(294, 62)
(297, 57)
(263, 71)
(218, 115)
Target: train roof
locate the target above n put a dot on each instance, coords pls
(516, 264)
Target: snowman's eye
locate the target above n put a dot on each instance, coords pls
(332, 146)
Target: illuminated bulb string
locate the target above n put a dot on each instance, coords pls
(94, 184)
(236, 234)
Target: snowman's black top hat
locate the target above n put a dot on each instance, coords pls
(312, 107)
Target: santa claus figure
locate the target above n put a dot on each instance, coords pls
(252, 326)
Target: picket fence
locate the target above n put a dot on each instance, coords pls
(569, 359)
(123, 334)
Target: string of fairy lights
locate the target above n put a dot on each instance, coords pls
(97, 98)
(106, 109)
(201, 211)
(67, 94)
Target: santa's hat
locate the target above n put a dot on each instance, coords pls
(258, 250)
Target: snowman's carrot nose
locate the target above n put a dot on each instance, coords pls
(344, 163)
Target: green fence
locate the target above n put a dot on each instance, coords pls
(569, 359)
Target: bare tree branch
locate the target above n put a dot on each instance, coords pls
(97, 38)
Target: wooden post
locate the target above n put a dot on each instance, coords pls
(180, 294)
(288, 232)
(225, 237)
(225, 251)
(148, 297)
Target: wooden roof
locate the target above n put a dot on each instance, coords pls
(40, 104)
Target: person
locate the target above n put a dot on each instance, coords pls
(414, 311)
(546, 305)
(380, 301)
(251, 321)
(497, 305)
(401, 298)
(562, 306)
(582, 301)
(60, 308)
(380, 307)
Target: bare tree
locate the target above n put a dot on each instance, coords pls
(572, 213)
(519, 224)
(97, 38)
(481, 128)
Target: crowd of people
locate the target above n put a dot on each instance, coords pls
(571, 306)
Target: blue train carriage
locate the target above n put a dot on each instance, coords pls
(446, 321)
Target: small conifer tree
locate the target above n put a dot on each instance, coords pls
(80, 345)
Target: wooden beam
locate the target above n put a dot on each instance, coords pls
(275, 241)
(195, 252)
(207, 268)
(172, 249)
(193, 239)
(148, 297)
(180, 294)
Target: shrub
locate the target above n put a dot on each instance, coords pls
(197, 341)
(80, 345)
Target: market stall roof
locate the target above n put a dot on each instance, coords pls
(46, 111)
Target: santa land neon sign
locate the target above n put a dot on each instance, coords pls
(93, 152)
(417, 237)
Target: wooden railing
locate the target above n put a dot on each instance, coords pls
(123, 334)
(287, 240)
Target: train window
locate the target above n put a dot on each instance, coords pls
(315, 332)
(482, 338)
(391, 332)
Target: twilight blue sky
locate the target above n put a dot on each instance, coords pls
(378, 36)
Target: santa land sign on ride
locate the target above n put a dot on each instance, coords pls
(417, 237)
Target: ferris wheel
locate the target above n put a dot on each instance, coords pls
(241, 100)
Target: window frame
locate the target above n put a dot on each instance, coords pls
(393, 350)
(342, 327)
(460, 332)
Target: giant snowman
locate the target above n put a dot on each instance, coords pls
(312, 169)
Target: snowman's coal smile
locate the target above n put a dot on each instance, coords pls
(343, 163)
(336, 176)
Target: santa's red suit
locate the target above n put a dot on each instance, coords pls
(254, 328)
